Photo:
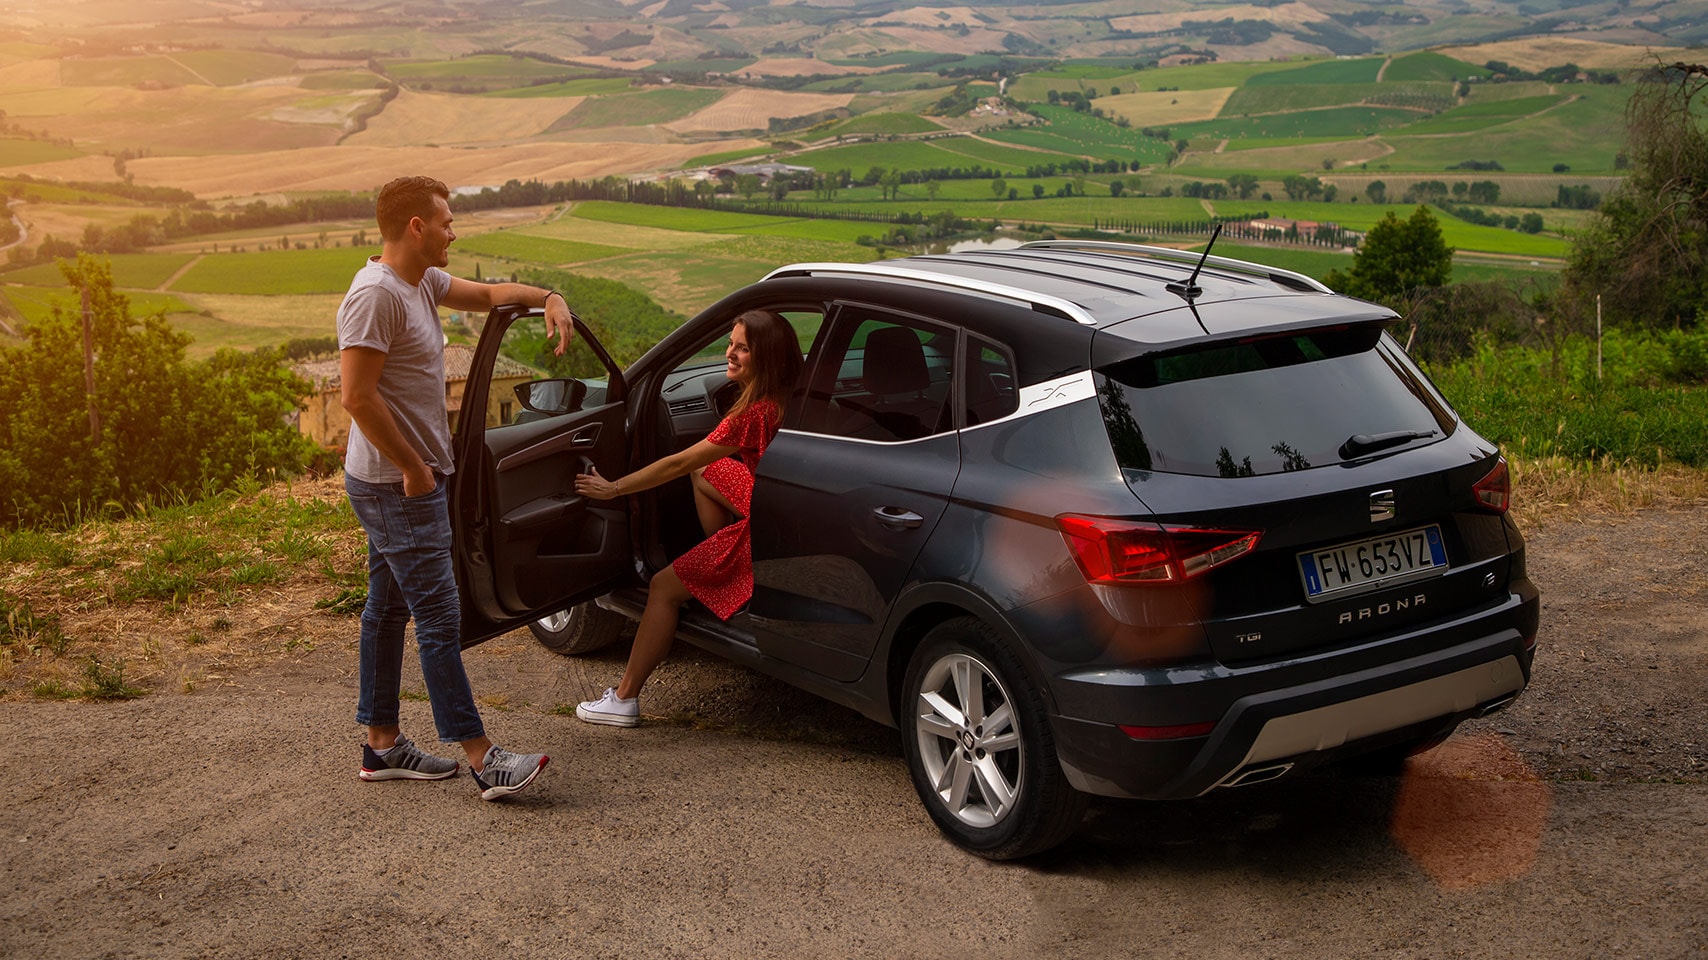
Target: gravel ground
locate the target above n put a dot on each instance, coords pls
(748, 820)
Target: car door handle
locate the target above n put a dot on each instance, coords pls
(898, 517)
(585, 437)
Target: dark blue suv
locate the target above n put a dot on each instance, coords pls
(1078, 518)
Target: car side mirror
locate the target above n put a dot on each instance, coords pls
(551, 397)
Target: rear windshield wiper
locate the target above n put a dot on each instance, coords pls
(1361, 443)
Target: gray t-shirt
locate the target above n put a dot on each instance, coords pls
(401, 320)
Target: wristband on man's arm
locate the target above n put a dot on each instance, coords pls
(549, 295)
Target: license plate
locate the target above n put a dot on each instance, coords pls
(1370, 564)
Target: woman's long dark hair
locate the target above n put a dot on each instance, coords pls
(776, 358)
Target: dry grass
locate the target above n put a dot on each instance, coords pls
(1174, 106)
(179, 120)
(749, 109)
(366, 168)
(1557, 490)
(416, 119)
(203, 638)
(1288, 14)
(931, 18)
(1536, 53)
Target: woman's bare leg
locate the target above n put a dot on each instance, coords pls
(657, 630)
(714, 509)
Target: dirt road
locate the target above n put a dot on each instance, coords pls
(753, 821)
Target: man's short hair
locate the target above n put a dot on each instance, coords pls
(404, 199)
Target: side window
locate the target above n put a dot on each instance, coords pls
(529, 381)
(881, 377)
(991, 391)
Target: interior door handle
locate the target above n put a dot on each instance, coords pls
(585, 437)
(898, 517)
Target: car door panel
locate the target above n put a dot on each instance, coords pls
(526, 544)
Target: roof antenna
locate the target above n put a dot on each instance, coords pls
(1190, 289)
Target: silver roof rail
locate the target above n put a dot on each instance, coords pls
(1037, 301)
(1180, 256)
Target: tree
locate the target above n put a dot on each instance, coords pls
(1115, 188)
(747, 184)
(1243, 184)
(892, 184)
(1398, 262)
(168, 426)
(999, 188)
(1037, 191)
(1377, 191)
(932, 187)
(1646, 251)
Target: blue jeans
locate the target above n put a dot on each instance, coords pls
(410, 575)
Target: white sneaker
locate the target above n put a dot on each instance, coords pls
(610, 710)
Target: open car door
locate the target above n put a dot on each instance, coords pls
(526, 545)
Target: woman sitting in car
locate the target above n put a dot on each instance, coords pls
(765, 358)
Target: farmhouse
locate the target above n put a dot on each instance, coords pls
(324, 420)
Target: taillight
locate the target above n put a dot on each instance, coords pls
(1110, 550)
(1494, 491)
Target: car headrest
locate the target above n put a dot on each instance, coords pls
(894, 362)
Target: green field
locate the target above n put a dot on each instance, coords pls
(1316, 262)
(131, 271)
(226, 68)
(1584, 134)
(725, 156)
(1005, 158)
(1361, 70)
(880, 124)
(671, 218)
(1332, 123)
(638, 109)
(1429, 65)
(549, 251)
(1480, 116)
(719, 221)
(37, 303)
(275, 272)
(1080, 134)
(898, 155)
(585, 87)
(125, 72)
(483, 67)
(710, 65)
(343, 80)
(14, 152)
(880, 83)
(1253, 99)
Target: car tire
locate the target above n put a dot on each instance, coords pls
(979, 746)
(583, 628)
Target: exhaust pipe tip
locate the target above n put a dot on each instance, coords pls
(1249, 776)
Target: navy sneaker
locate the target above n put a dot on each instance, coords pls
(405, 761)
(507, 772)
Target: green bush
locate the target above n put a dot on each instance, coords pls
(169, 427)
(1645, 407)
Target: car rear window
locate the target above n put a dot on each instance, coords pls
(1268, 404)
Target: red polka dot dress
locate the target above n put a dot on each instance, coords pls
(718, 571)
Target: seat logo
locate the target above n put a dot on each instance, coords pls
(1381, 506)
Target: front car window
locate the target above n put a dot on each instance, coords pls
(1268, 404)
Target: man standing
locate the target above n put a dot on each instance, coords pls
(392, 364)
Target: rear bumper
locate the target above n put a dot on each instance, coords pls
(1293, 714)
